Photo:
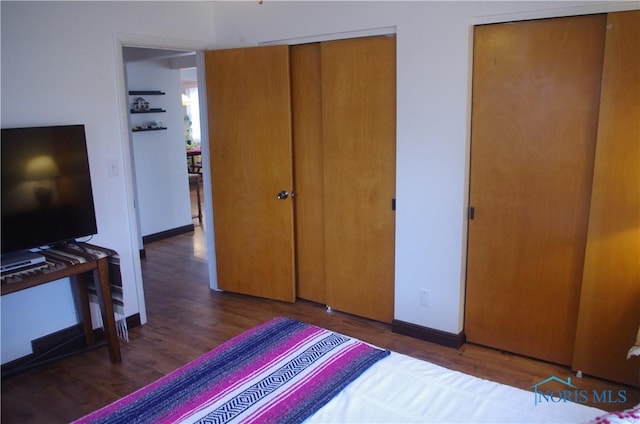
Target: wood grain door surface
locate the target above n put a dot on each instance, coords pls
(308, 165)
(341, 109)
(359, 127)
(536, 88)
(610, 298)
(249, 114)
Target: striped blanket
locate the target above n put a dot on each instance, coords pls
(279, 372)
(83, 252)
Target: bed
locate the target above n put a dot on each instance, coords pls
(288, 371)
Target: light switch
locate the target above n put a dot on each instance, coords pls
(113, 168)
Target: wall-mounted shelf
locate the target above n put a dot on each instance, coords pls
(153, 110)
(146, 93)
(141, 127)
(148, 129)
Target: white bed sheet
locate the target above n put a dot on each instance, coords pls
(401, 389)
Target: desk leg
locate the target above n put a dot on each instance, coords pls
(107, 311)
(198, 199)
(81, 280)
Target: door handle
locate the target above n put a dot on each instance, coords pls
(283, 195)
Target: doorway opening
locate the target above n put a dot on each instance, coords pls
(165, 146)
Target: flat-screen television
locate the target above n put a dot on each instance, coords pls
(46, 192)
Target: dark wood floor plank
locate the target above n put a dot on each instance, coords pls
(186, 319)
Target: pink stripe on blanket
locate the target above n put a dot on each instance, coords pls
(251, 369)
(269, 412)
(226, 346)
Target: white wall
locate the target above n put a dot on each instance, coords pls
(61, 63)
(433, 113)
(160, 156)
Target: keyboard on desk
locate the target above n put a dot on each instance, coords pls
(55, 260)
(18, 275)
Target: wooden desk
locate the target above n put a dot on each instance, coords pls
(194, 166)
(100, 268)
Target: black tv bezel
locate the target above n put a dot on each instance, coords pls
(73, 234)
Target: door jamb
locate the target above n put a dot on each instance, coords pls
(131, 40)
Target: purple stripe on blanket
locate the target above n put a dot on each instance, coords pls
(308, 394)
(280, 371)
(243, 374)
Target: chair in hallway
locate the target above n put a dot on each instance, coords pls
(194, 181)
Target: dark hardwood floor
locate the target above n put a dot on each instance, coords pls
(187, 319)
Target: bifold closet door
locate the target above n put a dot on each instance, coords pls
(306, 100)
(358, 133)
(610, 299)
(249, 115)
(536, 89)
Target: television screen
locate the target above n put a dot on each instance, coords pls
(46, 187)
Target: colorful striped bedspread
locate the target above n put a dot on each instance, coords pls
(280, 372)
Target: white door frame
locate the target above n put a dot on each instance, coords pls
(140, 41)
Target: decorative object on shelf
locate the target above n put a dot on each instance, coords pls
(150, 126)
(140, 105)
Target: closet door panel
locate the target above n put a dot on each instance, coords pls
(536, 88)
(249, 114)
(306, 100)
(610, 300)
(359, 126)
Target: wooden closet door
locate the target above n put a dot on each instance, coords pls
(536, 89)
(308, 163)
(249, 112)
(610, 299)
(359, 126)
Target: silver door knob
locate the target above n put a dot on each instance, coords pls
(283, 195)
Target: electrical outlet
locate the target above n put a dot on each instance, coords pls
(424, 298)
